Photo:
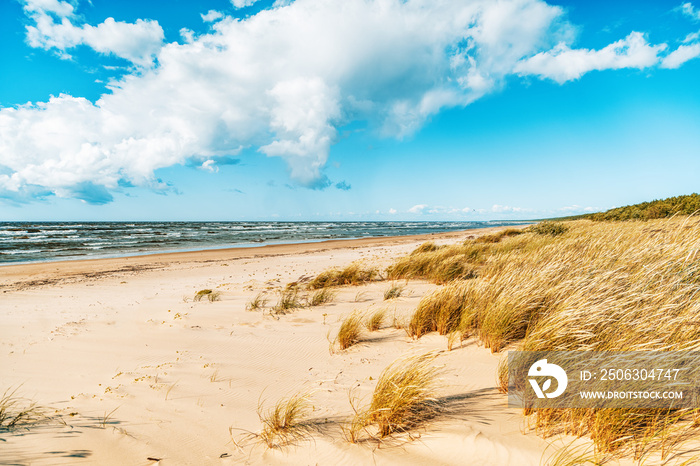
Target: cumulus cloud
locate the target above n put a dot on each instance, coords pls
(418, 208)
(280, 82)
(693, 36)
(243, 3)
(501, 209)
(53, 28)
(211, 16)
(681, 55)
(563, 63)
(690, 11)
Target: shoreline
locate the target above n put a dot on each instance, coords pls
(131, 367)
(17, 276)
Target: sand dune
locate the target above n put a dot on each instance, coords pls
(132, 368)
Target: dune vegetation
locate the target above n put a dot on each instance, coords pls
(375, 320)
(257, 303)
(349, 331)
(210, 295)
(353, 274)
(18, 413)
(663, 208)
(321, 296)
(579, 285)
(288, 301)
(404, 397)
(286, 423)
(393, 292)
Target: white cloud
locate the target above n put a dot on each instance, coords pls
(281, 81)
(418, 209)
(693, 36)
(211, 16)
(689, 10)
(137, 42)
(508, 209)
(392, 211)
(243, 3)
(681, 55)
(563, 64)
(57, 7)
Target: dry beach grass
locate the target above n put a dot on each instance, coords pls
(575, 286)
(200, 369)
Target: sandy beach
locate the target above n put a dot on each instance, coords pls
(133, 371)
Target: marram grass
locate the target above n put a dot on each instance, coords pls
(349, 332)
(375, 320)
(288, 301)
(257, 303)
(321, 296)
(210, 295)
(393, 292)
(353, 274)
(404, 398)
(18, 413)
(631, 286)
(286, 423)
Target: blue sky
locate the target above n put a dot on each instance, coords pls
(355, 110)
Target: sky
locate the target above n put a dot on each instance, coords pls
(352, 110)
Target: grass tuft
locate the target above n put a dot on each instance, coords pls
(404, 397)
(209, 294)
(257, 303)
(394, 291)
(349, 331)
(353, 274)
(289, 300)
(322, 296)
(18, 413)
(285, 423)
(428, 246)
(375, 320)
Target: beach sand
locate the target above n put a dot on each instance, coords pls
(134, 371)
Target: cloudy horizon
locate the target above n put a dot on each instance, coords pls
(317, 109)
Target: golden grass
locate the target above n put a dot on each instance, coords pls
(602, 287)
(18, 413)
(211, 295)
(322, 296)
(257, 303)
(439, 311)
(285, 423)
(394, 291)
(404, 398)
(439, 265)
(428, 246)
(353, 274)
(502, 375)
(288, 301)
(349, 331)
(375, 320)
(497, 237)
(549, 228)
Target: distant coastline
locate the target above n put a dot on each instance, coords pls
(29, 242)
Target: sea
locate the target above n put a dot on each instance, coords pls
(22, 242)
